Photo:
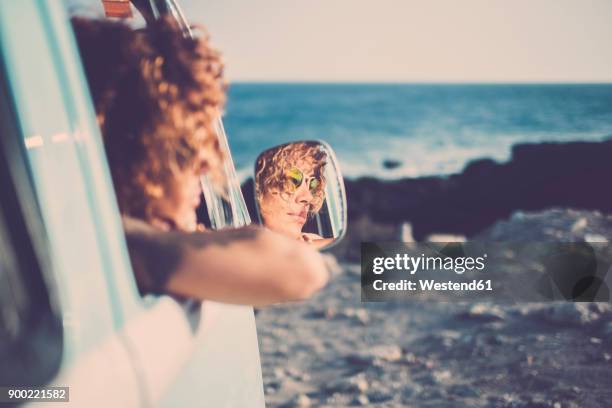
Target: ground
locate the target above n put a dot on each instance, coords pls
(333, 350)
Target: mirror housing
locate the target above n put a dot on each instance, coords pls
(299, 192)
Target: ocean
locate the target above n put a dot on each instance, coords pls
(428, 129)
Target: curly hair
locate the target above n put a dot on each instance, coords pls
(272, 166)
(157, 96)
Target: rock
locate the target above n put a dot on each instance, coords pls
(299, 401)
(351, 385)
(357, 315)
(406, 232)
(409, 391)
(442, 376)
(378, 395)
(410, 358)
(539, 401)
(297, 374)
(572, 313)
(338, 400)
(464, 390)
(484, 312)
(498, 339)
(594, 238)
(506, 399)
(445, 238)
(579, 225)
(448, 337)
(279, 373)
(361, 400)
(601, 308)
(389, 353)
(321, 313)
(391, 164)
(360, 359)
(471, 201)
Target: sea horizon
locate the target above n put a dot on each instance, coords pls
(427, 128)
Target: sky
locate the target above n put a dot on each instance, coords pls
(409, 40)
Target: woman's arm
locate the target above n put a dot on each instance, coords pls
(248, 265)
(316, 241)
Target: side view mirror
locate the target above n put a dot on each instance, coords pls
(299, 192)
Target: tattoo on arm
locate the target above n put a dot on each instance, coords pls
(156, 254)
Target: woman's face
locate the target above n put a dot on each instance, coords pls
(177, 208)
(286, 212)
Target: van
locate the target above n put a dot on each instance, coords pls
(71, 314)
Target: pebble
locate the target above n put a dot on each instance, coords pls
(442, 376)
(443, 238)
(389, 353)
(377, 395)
(601, 308)
(361, 400)
(579, 225)
(573, 313)
(321, 313)
(299, 401)
(498, 339)
(406, 232)
(448, 337)
(338, 400)
(279, 373)
(484, 312)
(464, 390)
(358, 315)
(351, 385)
(595, 238)
(360, 359)
(409, 391)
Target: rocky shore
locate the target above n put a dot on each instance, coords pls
(334, 351)
(538, 176)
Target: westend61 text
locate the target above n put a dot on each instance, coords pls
(431, 285)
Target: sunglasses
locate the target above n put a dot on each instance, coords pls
(296, 177)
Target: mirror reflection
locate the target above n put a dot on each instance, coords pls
(300, 192)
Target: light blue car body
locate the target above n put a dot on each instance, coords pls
(143, 352)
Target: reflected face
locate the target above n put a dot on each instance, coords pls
(299, 192)
(286, 211)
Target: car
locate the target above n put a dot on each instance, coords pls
(71, 311)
